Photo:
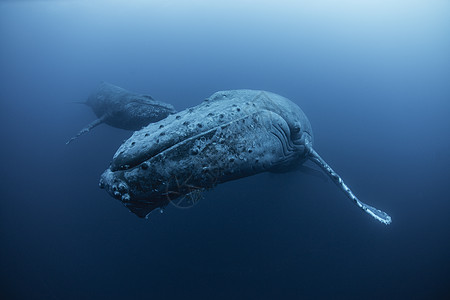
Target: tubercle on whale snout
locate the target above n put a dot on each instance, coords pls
(115, 186)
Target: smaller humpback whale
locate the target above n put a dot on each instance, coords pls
(120, 108)
(231, 135)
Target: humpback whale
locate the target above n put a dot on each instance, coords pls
(230, 135)
(120, 108)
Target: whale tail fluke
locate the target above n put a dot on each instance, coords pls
(376, 213)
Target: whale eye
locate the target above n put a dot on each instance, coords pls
(296, 131)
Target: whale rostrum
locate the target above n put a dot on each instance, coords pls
(230, 135)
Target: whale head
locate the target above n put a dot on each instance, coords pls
(232, 134)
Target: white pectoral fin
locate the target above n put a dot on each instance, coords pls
(87, 129)
(376, 213)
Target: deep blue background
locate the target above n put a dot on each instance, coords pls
(373, 78)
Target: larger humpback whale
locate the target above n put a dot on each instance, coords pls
(232, 134)
(120, 108)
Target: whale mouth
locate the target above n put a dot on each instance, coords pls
(116, 186)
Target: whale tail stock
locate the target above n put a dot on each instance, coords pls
(375, 213)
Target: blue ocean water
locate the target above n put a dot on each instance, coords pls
(373, 78)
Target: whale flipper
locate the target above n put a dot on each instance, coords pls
(87, 128)
(376, 213)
